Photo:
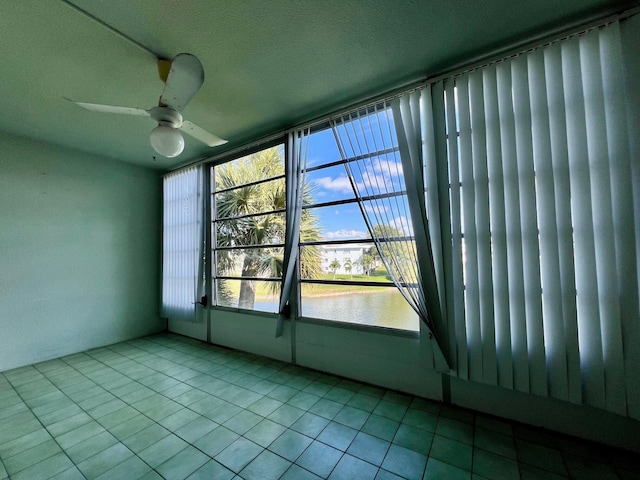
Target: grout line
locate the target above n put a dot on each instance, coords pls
(171, 399)
(330, 420)
(168, 352)
(43, 426)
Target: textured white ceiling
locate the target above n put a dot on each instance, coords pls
(268, 64)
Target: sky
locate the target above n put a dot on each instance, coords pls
(381, 173)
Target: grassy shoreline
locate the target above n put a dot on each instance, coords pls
(318, 290)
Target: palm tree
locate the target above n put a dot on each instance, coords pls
(348, 267)
(334, 266)
(367, 263)
(251, 219)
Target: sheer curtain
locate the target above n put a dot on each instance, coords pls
(385, 171)
(183, 238)
(297, 150)
(544, 233)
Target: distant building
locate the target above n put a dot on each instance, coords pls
(352, 252)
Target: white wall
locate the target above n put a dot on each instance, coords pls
(379, 359)
(79, 251)
(580, 421)
(194, 330)
(251, 332)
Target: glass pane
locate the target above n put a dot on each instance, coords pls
(248, 294)
(261, 165)
(248, 199)
(377, 306)
(338, 222)
(378, 173)
(390, 215)
(364, 133)
(403, 259)
(322, 148)
(329, 184)
(250, 262)
(265, 229)
(353, 262)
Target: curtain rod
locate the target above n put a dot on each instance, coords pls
(530, 44)
(559, 33)
(568, 30)
(247, 146)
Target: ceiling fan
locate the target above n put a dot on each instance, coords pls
(183, 76)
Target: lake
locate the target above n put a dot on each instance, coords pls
(386, 308)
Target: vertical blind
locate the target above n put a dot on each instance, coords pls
(545, 267)
(182, 244)
(382, 150)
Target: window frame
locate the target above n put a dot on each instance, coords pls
(386, 284)
(213, 276)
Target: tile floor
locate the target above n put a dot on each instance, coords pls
(170, 407)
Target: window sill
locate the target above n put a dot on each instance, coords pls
(361, 327)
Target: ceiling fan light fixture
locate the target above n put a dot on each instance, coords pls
(167, 141)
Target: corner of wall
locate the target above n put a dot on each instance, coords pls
(564, 417)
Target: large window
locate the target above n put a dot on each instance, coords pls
(350, 282)
(248, 206)
(520, 249)
(342, 276)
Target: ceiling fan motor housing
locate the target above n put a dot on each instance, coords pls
(166, 116)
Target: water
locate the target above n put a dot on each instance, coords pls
(385, 308)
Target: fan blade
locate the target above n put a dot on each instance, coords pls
(202, 135)
(183, 82)
(96, 107)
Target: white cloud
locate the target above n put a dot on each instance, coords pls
(390, 167)
(371, 180)
(345, 234)
(339, 184)
(375, 178)
(375, 208)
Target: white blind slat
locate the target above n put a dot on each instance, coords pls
(602, 210)
(483, 228)
(500, 271)
(517, 314)
(456, 233)
(548, 229)
(470, 242)
(625, 184)
(564, 230)
(530, 248)
(589, 335)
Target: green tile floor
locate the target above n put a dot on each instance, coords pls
(170, 407)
